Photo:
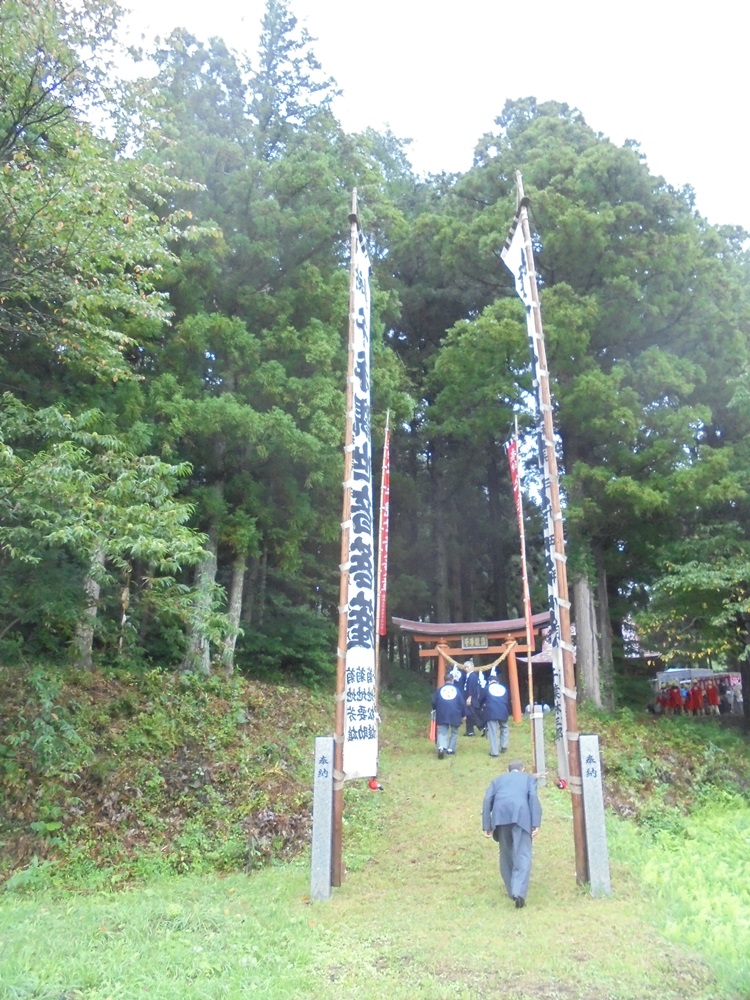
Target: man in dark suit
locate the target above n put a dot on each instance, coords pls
(512, 814)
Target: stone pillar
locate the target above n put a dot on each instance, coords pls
(322, 832)
(593, 809)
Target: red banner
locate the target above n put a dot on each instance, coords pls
(385, 493)
(512, 449)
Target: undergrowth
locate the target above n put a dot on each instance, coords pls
(113, 776)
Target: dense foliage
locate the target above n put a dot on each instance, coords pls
(173, 311)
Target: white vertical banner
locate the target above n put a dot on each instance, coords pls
(360, 720)
(515, 259)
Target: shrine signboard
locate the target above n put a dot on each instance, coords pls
(474, 642)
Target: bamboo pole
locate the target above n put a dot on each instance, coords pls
(337, 866)
(563, 609)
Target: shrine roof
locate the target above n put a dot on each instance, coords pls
(470, 628)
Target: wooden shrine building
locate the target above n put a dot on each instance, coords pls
(446, 642)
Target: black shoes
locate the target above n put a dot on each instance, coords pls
(519, 901)
(441, 753)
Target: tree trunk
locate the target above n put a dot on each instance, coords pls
(458, 606)
(125, 604)
(604, 634)
(198, 656)
(84, 638)
(497, 535)
(233, 613)
(249, 591)
(403, 655)
(384, 671)
(587, 646)
(442, 604)
(262, 586)
(745, 675)
(744, 667)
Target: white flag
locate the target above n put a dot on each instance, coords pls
(515, 259)
(360, 721)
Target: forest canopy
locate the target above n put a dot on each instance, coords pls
(173, 312)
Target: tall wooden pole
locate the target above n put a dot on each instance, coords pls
(563, 610)
(337, 865)
(526, 603)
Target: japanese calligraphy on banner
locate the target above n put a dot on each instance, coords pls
(385, 494)
(360, 722)
(515, 258)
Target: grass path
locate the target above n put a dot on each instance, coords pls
(429, 917)
(420, 916)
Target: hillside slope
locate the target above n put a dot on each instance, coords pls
(421, 914)
(107, 777)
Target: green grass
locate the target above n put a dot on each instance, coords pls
(421, 915)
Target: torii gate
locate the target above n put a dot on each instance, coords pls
(485, 638)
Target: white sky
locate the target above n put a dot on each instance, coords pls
(670, 75)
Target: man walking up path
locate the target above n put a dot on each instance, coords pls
(512, 814)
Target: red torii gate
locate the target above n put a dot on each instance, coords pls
(470, 638)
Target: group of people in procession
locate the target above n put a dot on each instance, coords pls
(511, 811)
(479, 699)
(698, 697)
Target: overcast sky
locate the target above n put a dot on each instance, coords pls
(672, 76)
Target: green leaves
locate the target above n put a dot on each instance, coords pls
(83, 235)
(701, 601)
(72, 499)
(480, 375)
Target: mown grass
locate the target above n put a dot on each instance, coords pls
(420, 914)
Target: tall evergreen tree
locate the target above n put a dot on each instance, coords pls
(251, 390)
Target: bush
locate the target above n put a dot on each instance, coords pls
(295, 640)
